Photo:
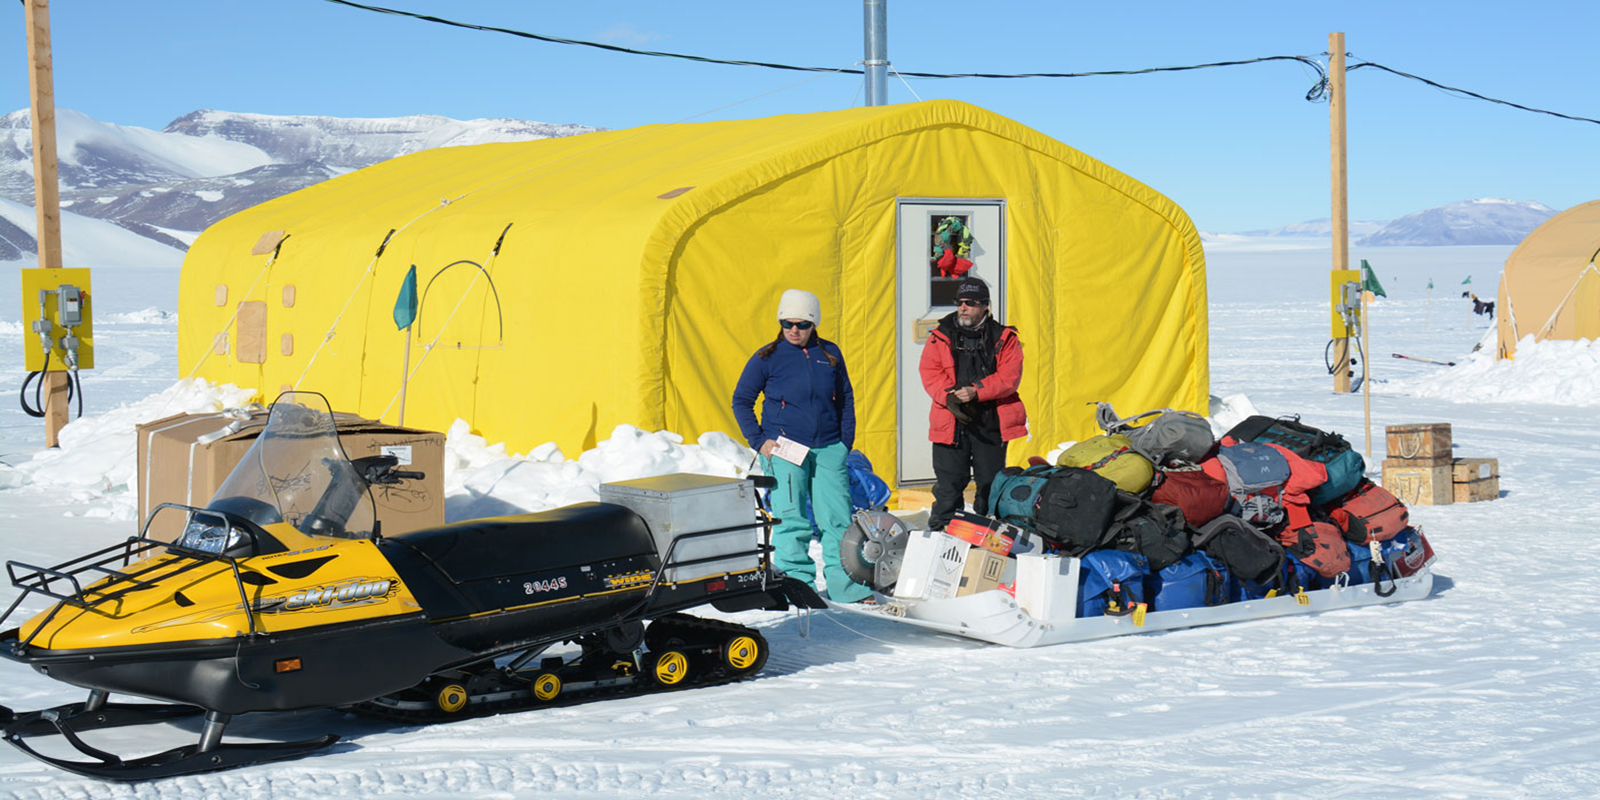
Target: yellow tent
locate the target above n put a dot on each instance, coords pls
(569, 285)
(1551, 286)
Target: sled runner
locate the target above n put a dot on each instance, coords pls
(998, 617)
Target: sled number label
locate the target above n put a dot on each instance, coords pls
(534, 587)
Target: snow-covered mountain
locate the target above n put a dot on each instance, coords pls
(1485, 220)
(1317, 229)
(94, 154)
(86, 242)
(209, 164)
(356, 143)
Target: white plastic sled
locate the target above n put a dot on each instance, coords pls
(1043, 611)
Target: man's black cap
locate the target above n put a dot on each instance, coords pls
(973, 288)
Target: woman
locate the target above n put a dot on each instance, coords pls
(808, 403)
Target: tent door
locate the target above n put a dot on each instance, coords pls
(924, 296)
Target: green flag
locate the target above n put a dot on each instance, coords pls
(405, 306)
(1369, 280)
(1467, 281)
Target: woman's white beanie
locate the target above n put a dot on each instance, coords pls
(800, 304)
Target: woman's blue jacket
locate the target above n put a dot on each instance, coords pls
(807, 400)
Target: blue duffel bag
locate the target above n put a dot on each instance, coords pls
(1107, 575)
(1292, 577)
(1360, 564)
(1195, 581)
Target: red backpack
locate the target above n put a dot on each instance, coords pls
(1202, 497)
(1319, 546)
(1370, 514)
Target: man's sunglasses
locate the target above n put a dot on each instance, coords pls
(969, 303)
(804, 324)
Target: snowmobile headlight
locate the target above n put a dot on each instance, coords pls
(209, 536)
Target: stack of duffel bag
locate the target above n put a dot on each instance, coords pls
(1342, 510)
(1164, 516)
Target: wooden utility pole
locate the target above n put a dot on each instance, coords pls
(1341, 208)
(46, 188)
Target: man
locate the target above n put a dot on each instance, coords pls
(970, 366)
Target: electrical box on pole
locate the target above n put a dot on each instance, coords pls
(56, 305)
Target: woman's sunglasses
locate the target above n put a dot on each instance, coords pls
(804, 324)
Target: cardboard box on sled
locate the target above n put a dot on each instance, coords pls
(938, 566)
(184, 459)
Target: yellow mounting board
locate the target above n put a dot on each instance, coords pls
(34, 280)
(1336, 279)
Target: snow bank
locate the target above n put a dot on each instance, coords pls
(96, 463)
(148, 316)
(484, 480)
(1555, 372)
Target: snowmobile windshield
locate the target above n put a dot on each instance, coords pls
(297, 472)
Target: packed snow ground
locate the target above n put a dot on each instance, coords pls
(1484, 690)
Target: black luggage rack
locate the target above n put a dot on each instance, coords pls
(108, 584)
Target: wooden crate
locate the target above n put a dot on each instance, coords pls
(1419, 484)
(1428, 443)
(1475, 479)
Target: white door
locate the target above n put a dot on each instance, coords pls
(926, 294)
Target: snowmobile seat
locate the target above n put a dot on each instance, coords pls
(496, 547)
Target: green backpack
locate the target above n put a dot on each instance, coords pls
(1112, 456)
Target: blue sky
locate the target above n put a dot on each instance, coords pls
(1239, 148)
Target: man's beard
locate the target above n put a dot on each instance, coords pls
(975, 322)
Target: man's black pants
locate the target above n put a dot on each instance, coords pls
(953, 466)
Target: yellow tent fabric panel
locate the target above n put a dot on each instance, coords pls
(640, 268)
(1550, 288)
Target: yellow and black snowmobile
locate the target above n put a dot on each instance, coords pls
(282, 594)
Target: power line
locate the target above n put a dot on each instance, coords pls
(1464, 92)
(1317, 92)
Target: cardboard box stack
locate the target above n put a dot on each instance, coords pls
(1422, 470)
(184, 458)
(1418, 467)
(939, 566)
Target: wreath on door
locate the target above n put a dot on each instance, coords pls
(952, 247)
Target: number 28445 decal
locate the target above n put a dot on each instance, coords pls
(535, 587)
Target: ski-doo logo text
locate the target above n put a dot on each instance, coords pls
(341, 594)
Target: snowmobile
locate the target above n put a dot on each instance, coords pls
(282, 593)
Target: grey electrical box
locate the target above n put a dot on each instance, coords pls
(673, 505)
(69, 312)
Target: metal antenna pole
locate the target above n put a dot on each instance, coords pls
(877, 51)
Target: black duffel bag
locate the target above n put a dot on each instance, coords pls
(1069, 506)
(1156, 531)
(1247, 552)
